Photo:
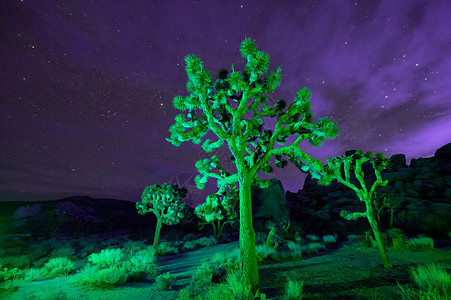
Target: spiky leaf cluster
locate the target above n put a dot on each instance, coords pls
(233, 108)
(219, 206)
(165, 201)
(344, 165)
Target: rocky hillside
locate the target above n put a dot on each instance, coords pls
(417, 198)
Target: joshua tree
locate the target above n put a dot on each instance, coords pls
(165, 202)
(354, 162)
(232, 107)
(217, 209)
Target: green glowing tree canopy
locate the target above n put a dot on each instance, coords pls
(233, 107)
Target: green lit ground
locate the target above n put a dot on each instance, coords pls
(344, 271)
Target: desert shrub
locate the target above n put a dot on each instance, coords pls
(432, 278)
(189, 245)
(106, 258)
(133, 246)
(431, 282)
(39, 263)
(201, 280)
(293, 290)
(58, 267)
(396, 238)
(189, 237)
(295, 249)
(165, 281)
(353, 237)
(263, 252)
(420, 242)
(201, 288)
(7, 278)
(219, 291)
(201, 242)
(240, 290)
(312, 248)
(329, 239)
(165, 248)
(20, 262)
(207, 242)
(312, 237)
(33, 274)
(91, 277)
(141, 265)
(7, 274)
(367, 239)
(223, 262)
(231, 255)
(65, 251)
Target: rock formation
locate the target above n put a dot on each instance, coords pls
(420, 197)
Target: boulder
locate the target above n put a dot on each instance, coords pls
(443, 152)
(269, 204)
(403, 175)
(397, 161)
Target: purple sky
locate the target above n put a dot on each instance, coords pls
(87, 88)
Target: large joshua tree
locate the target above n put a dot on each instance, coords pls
(233, 107)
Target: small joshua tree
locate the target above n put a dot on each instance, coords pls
(217, 209)
(354, 162)
(233, 107)
(165, 202)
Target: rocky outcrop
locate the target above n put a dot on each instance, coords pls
(269, 204)
(421, 197)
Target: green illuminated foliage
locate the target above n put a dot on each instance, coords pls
(165, 202)
(234, 107)
(218, 210)
(344, 165)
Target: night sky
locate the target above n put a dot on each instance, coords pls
(87, 86)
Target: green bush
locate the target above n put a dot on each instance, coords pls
(34, 274)
(7, 278)
(264, 251)
(431, 282)
(141, 265)
(396, 238)
(199, 283)
(420, 242)
(58, 267)
(165, 248)
(229, 256)
(199, 243)
(295, 249)
(106, 258)
(20, 262)
(65, 251)
(312, 248)
(432, 278)
(39, 263)
(165, 281)
(293, 290)
(91, 277)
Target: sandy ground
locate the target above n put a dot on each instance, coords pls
(342, 272)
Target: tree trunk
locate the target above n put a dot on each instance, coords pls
(157, 232)
(248, 257)
(377, 235)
